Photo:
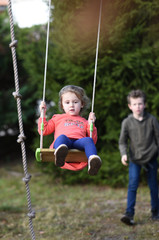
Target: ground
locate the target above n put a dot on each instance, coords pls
(81, 212)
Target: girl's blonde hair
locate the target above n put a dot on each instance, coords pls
(80, 93)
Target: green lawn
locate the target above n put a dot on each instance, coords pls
(86, 212)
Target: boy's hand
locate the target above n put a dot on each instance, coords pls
(92, 117)
(124, 160)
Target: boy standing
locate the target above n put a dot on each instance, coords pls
(141, 130)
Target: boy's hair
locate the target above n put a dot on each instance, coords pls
(136, 94)
(79, 92)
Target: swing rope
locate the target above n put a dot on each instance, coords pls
(95, 73)
(95, 70)
(45, 72)
(96, 59)
(21, 137)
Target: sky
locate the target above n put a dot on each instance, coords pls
(27, 13)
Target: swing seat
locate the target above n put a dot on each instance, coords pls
(47, 155)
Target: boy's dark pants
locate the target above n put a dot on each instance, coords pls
(134, 177)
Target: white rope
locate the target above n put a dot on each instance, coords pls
(45, 71)
(95, 70)
(96, 59)
(47, 46)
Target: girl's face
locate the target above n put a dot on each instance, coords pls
(71, 104)
(137, 106)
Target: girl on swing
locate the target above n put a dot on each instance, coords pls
(71, 131)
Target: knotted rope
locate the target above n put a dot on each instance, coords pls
(21, 138)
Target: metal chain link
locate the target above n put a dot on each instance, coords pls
(21, 137)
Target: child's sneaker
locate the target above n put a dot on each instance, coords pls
(94, 164)
(127, 219)
(60, 155)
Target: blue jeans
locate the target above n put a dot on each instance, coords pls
(83, 144)
(134, 175)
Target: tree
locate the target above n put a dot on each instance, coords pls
(128, 59)
(8, 116)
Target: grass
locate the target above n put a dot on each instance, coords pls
(86, 212)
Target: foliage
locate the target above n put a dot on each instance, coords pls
(5, 74)
(128, 59)
(8, 112)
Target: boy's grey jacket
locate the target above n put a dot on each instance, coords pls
(142, 138)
